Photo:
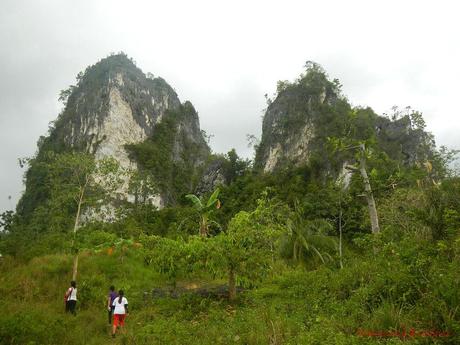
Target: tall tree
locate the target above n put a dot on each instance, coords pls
(361, 153)
(85, 185)
(245, 252)
(372, 209)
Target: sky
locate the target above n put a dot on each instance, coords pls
(224, 56)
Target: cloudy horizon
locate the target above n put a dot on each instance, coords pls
(224, 57)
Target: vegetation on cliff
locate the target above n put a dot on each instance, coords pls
(172, 156)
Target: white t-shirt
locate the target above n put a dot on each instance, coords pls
(119, 307)
(72, 294)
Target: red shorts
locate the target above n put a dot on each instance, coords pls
(119, 320)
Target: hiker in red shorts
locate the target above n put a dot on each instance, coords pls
(120, 311)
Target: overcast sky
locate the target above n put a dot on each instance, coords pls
(224, 56)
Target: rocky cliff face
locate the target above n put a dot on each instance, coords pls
(286, 136)
(116, 105)
(113, 105)
(305, 114)
(212, 178)
(289, 124)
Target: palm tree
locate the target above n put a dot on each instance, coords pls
(307, 238)
(205, 209)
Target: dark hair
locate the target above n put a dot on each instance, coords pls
(73, 284)
(120, 295)
(112, 288)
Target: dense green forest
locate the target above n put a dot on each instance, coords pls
(291, 256)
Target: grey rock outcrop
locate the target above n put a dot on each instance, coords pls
(213, 177)
(305, 115)
(288, 127)
(114, 105)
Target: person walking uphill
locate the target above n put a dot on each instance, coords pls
(70, 298)
(111, 297)
(120, 311)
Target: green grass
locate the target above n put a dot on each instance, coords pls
(293, 306)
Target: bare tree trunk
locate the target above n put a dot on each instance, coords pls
(272, 249)
(340, 233)
(231, 284)
(75, 267)
(369, 196)
(294, 251)
(75, 228)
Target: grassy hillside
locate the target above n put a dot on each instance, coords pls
(407, 284)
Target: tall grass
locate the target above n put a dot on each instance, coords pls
(293, 306)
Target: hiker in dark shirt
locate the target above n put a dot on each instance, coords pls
(112, 295)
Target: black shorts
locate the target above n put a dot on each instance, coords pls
(111, 314)
(70, 306)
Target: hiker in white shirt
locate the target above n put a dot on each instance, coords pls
(70, 298)
(120, 311)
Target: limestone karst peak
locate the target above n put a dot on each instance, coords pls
(115, 105)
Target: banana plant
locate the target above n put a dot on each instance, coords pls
(205, 209)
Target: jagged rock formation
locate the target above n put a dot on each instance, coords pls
(116, 110)
(287, 130)
(115, 105)
(305, 114)
(290, 124)
(404, 140)
(213, 177)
